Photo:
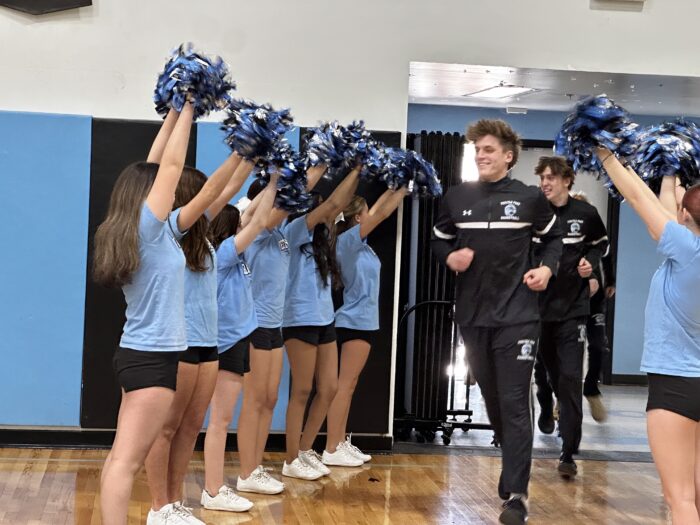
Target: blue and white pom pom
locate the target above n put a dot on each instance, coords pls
(252, 130)
(189, 75)
(326, 145)
(408, 168)
(291, 184)
(669, 149)
(596, 121)
(375, 162)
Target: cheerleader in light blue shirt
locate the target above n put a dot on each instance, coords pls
(671, 356)
(357, 320)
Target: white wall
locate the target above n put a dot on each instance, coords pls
(324, 59)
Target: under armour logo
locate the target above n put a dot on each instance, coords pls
(466, 212)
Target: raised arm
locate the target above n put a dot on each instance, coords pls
(667, 195)
(336, 202)
(162, 195)
(383, 208)
(166, 129)
(638, 194)
(313, 175)
(257, 222)
(241, 170)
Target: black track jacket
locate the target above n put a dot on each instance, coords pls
(498, 221)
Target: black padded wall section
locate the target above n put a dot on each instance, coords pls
(42, 7)
(115, 144)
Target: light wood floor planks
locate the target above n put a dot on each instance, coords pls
(60, 487)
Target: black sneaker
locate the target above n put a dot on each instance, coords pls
(567, 466)
(546, 422)
(514, 512)
(501, 491)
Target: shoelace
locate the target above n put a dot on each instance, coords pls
(314, 455)
(260, 476)
(229, 494)
(182, 511)
(304, 467)
(268, 479)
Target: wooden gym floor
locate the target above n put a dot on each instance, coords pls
(60, 487)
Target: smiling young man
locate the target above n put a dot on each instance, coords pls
(565, 306)
(484, 233)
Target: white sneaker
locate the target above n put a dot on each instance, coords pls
(186, 512)
(301, 470)
(312, 459)
(170, 515)
(347, 444)
(226, 499)
(342, 457)
(261, 482)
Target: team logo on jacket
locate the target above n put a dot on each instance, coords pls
(510, 211)
(284, 245)
(582, 333)
(575, 227)
(246, 268)
(527, 347)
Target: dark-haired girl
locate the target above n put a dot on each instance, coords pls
(308, 331)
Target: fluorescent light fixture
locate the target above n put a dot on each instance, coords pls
(501, 91)
(516, 111)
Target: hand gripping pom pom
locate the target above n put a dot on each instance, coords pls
(669, 149)
(408, 168)
(253, 130)
(596, 121)
(291, 184)
(194, 77)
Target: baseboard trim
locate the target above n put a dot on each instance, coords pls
(630, 379)
(102, 439)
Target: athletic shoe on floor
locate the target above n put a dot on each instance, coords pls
(567, 466)
(347, 444)
(300, 470)
(545, 422)
(259, 482)
(598, 411)
(312, 459)
(342, 457)
(225, 499)
(514, 512)
(171, 514)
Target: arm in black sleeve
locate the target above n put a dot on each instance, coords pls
(597, 240)
(444, 231)
(546, 228)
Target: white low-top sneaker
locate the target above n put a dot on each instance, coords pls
(259, 482)
(347, 444)
(170, 515)
(342, 457)
(299, 469)
(226, 499)
(312, 459)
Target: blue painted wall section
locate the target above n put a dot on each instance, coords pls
(44, 191)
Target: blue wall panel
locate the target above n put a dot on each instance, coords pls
(44, 189)
(211, 152)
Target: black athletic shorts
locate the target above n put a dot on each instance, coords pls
(314, 335)
(136, 369)
(349, 334)
(267, 338)
(237, 358)
(199, 354)
(675, 394)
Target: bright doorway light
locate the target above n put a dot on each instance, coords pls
(469, 171)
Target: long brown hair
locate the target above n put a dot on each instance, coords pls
(194, 244)
(224, 225)
(353, 209)
(116, 255)
(691, 202)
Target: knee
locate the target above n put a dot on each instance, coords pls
(327, 391)
(270, 400)
(192, 426)
(168, 431)
(680, 500)
(347, 387)
(300, 394)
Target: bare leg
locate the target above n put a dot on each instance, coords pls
(141, 417)
(353, 357)
(673, 440)
(158, 456)
(273, 386)
(302, 362)
(254, 391)
(326, 388)
(185, 438)
(228, 386)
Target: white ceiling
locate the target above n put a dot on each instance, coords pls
(557, 90)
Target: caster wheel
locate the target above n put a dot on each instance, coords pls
(446, 440)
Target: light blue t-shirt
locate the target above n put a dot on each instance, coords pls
(672, 317)
(268, 257)
(155, 297)
(359, 267)
(307, 301)
(237, 318)
(200, 304)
